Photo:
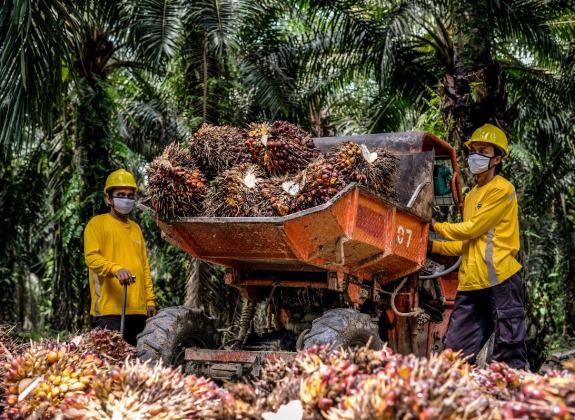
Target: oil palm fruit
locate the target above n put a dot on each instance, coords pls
(218, 148)
(176, 187)
(236, 193)
(323, 180)
(108, 344)
(139, 391)
(45, 374)
(375, 170)
(281, 192)
(281, 147)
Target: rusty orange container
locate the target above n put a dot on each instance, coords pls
(356, 232)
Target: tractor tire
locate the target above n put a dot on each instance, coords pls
(343, 327)
(172, 330)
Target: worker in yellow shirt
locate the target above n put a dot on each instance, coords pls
(490, 293)
(115, 252)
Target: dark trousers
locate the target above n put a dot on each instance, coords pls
(134, 325)
(498, 309)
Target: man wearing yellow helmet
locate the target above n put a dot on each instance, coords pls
(115, 252)
(490, 293)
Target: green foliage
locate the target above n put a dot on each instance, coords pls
(432, 120)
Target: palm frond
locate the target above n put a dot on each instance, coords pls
(220, 21)
(36, 42)
(155, 29)
(527, 24)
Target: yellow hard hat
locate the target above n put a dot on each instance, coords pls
(490, 134)
(120, 178)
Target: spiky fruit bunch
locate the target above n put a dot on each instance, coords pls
(8, 350)
(218, 148)
(323, 180)
(281, 192)
(529, 395)
(108, 344)
(238, 401)
(280, 148)
(236, 193)
(140, 391)
(385, 385)
(375, 170)
(40, 378)
(256, 142)
(177, 188)
(267, 394)
(173, 155)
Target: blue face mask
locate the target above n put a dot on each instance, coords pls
(478, 163)
(123, 205)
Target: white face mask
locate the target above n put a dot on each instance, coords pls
(124, 205)
(478, 163)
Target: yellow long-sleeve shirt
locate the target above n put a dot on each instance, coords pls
(488, 237)
(109, 245)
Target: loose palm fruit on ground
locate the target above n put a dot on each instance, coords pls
(139, 390)
(107, 344)
(47, 373)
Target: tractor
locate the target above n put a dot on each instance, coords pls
(351, 272)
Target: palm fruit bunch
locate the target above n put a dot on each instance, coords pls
(281, 192)
(139, 390)
(218, 148)
(236, 193)
(108, 344)
(42, 376)
(259, 397)
(8, 350)
(277, 386)
(548, 397)
(412, 387)
(528, 395)
(363, 383)
(375, 170)
(501, 381)
(177, 188)
(280, 148)
(237, 401)
(323, 180)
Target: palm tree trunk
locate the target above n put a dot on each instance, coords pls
(478, 82)
(205, 93)
(475, 93)
(193, 285)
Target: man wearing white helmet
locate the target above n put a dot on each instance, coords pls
(490, 292)
(115, 252)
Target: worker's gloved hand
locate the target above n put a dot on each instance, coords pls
(152, 311)
(125, 276)
(443, 180)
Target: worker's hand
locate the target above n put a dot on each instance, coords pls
(125, 276)
(152, 311)
(433, 221)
